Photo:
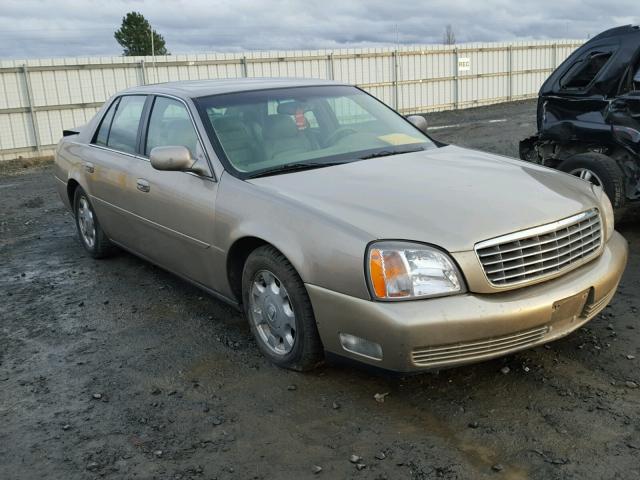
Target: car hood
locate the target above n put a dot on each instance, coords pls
(450, 196)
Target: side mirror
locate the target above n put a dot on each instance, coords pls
(173, 159)
(419, 122)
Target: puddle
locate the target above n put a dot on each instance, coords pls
(480, 455)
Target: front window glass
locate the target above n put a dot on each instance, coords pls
(260, 131)
(349, 112)
(170, 125)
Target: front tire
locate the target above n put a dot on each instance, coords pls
(279, 312)
(600, 170)
(92, 237)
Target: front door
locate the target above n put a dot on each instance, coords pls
(175, 210)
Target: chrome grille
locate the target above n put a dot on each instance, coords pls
(433, 356)
(541, 251)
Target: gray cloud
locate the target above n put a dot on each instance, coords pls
(44, 28)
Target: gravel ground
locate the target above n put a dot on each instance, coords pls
(117, 369)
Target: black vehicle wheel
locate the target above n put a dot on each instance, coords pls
(599, 170)
(279, 312)
(92, 237)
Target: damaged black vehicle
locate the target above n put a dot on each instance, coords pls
(589, 116)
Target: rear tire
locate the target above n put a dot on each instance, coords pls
(279, 312)
(91, 235)
(598, 169)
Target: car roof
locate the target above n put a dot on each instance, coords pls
(623, 41)
(618, 32)
(203, 88)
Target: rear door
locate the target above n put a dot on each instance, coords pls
(109, 163)
(175, 210)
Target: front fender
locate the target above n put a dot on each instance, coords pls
(323, 250)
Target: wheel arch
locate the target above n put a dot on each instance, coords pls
(553, 152)
(72, 186)
(236, 258)
(242, 247)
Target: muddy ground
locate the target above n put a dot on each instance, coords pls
(116, 369)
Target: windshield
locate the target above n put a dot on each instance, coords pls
(272, 130)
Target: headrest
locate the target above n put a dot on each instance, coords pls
(228, 124)
(291, 108)
(280, 126)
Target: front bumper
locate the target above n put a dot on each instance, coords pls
(450, 331)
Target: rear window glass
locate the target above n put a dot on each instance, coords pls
(102, 136)
(123, 135)
(583, 72)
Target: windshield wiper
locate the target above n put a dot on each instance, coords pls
(294, 167)
(387, 153)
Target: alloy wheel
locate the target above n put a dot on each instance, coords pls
(587, 175)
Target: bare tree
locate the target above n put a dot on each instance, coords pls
(449, 36)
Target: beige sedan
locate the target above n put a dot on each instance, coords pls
(337, 225)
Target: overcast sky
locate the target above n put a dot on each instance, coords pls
(32, 28)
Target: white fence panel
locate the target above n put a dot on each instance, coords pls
(39, 98)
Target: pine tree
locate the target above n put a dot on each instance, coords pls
(134, 36)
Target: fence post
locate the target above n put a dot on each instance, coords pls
(394, 59)
(243, 65)
(510, 76)
(555, 55)
(32, 111)
(330, 66)
(143, 72)
(456, 87)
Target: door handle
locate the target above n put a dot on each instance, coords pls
(143, 185)
(88, 166)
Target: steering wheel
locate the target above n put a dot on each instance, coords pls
(339, 134)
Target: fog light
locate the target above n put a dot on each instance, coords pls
(360, 346)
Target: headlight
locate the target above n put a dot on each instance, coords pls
(606, 210)
(403, 270)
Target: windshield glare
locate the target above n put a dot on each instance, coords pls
(268, 129)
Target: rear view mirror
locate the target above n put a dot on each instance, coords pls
(174, 159)
(419, 122)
